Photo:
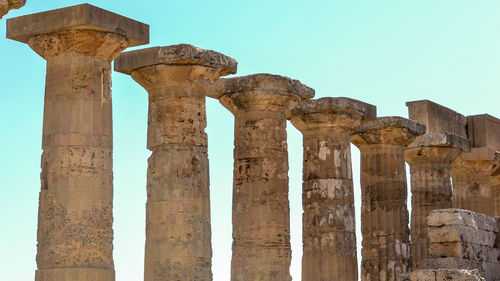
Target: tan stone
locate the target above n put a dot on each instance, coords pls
(7, 5)
(178, 230)
(261, 219)
(430, 157)
(437, 118)
(75, 214)
(384, 215)
(329, 238)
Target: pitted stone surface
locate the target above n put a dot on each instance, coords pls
(178, 230)
(7, 5)
(384, 215)
(391, 130)
(182, 54)
(84, 16)
(446, 275)
(261, 219)
(264, 83)
(329, 239)
(450, 217)
(75, 218)
(441, 140)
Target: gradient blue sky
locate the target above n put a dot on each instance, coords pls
(381, 52)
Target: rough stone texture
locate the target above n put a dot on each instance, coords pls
(484, 130)
(329, 237)
(430, 157)
(472, 181)
(261, 219)
(384, 215)
(182, 54)
(75, 214)
(437, 118)
(495, 183)
(446, 275)
(82, 16)
(7, 5)
(178, 231)
(463, 239)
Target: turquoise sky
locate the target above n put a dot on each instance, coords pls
(381, 52)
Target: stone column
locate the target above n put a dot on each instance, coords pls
(430, 157)
(7, 5)
(261, 219)
(328, 229)
(472, 186)
(495, 183)
(384, 214)
(178, 231)
(75, 236)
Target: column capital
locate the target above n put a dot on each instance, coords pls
(387, 130)
(153, 67)
(262, 93)
(436, 147)
(7, 5)
(481, 160)
(327, 113)
(84, 29)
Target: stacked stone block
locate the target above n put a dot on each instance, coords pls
(178, 229)
(461, 239)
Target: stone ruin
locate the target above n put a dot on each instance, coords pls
(453, 163)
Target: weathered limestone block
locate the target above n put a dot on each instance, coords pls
(473, 187)
(261, 219)
(446, 275)
(7, 5)
(75, 214)
(178, 230)
(384, 215)
(495, 183)
(461, 239)
(329, 237)
(430, 157)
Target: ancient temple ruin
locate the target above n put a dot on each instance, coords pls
(452, 233)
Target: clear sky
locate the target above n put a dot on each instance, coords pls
(382, 52)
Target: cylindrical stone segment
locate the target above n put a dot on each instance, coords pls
(75, 235)
(472, 186)
(7, 5)
(178, 230)
(328, 229)
(384, 214)
(261, 217)
(430, 157)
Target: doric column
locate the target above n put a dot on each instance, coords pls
(472, 181)
(328, 229)
(261, 217)
(430, 157)
(178, 230)
(75, 236)
(495, 183)
(7, 5)
(384, 214)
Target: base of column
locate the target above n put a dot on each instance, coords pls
(75, 274)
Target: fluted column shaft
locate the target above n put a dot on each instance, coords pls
(328, 229)
(261, 216)
(431, 189)
(75, 214)
(329, 237)
(472, 188)
(384, 213)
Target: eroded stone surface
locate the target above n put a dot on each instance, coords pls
(261, 219)
(75, 213)
(329, 238)
(178, 230)
(446, 275)
(384, 215)
(7, 5)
